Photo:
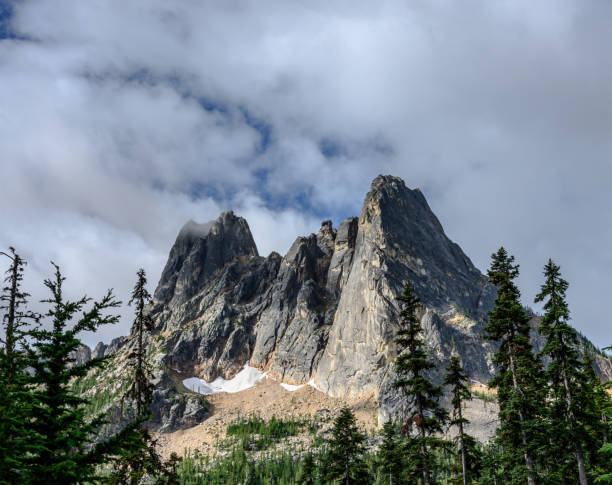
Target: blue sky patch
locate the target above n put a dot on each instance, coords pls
(261, 126)
(330, 148)
(7, 8)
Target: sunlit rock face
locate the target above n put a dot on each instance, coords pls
(326, 312)
(399, 239)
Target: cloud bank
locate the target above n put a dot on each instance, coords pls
(119, 121)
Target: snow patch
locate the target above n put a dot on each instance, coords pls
(312, 384)
(245, 379)
(291, 387)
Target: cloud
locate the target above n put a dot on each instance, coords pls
(119, 121)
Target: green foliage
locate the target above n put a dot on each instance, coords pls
(601, 402)
(84, 383)
(275, 428)
(253, 433)
(64, 450)
(519, 381)
(308, 471)
(344, 460)
(457, 380)
(16, 436)
(605, 476)
(422, 396)
(573, 421)
(279, 468)
(483, 396)
(138, 458)
(390, 456)
(140, 390)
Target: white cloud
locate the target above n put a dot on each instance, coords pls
(501, 111)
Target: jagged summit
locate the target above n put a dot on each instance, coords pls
(199, 251)
(407, 235)
(325, 312)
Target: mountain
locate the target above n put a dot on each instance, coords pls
(324, 313)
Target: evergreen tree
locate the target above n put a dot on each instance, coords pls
(139, 458)
(15, 402)
(390, 455)
(518, 380)
(141, 389)
(172, 474)
(604, 473)
(307, 474)
(422, 396)
(596, 402)
(344, 463)
(491, 468)
(566, 377)
(65, 450)
(460, 392)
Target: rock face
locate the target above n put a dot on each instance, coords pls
(399, 239)
(81, 355)
(199, 252)
(326, 311)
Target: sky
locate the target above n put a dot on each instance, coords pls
(119, 121)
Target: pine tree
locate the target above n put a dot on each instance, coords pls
(390, 455)
(12, 299)
(566, 377)
(596, 403)
(344, 462)
(422, 396)
(307, 474)
(490, 468)
(65, 450)
(519, 374)
(604, 472)
(140, 457)
(460, 392)
(15, 401)
(141, 389)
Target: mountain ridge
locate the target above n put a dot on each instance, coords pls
(324, 312)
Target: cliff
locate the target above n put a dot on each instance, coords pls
(324, 313)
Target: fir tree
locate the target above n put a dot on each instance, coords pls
(139, 458)
(171, 476)
(141, 389)
(344, 462)
(604, 473)
(490, 470)
(12, 300)
(422, 396)
(566, 378)
(390, 455)
(596, 402)
(460, 392)
(15, 401)
(519, 374)
(65, 450)
(307, 474)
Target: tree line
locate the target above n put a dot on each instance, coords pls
(46, 436)
(555, 416)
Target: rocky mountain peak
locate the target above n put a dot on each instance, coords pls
(199, 251)
(409, 242)
(326, 237)
(325, 312)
